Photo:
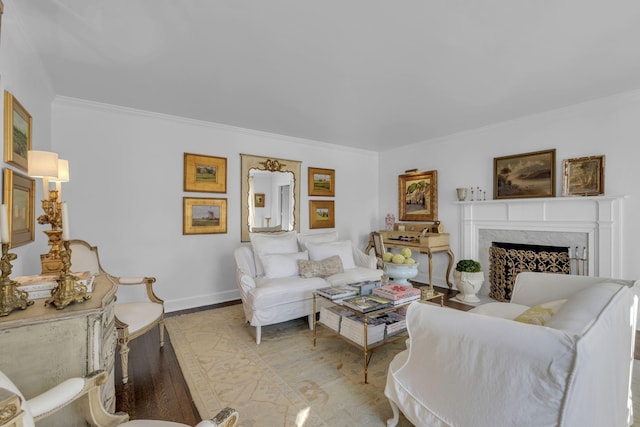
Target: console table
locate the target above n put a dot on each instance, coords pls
(42, 347)
(414, 238)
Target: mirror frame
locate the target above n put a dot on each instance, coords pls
(249, 162)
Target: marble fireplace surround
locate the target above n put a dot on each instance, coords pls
(592, 222)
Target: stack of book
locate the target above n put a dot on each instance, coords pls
(366, 303)
(398, 294)
(352, 327)
(332, 316)
(395, 322)
(365, 288)
(40, 286)
(337, 292)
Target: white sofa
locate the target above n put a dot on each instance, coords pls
(271, 289)
(482, 368)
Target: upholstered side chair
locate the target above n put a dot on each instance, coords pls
(16, 411)
(378, 248)
(132, 319)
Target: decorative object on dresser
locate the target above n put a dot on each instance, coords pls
(322, 214)
(133, 319)
(583, 176)
(524, 175)
(207, 174)
(17, 132)
(322, 182)
(19, 196)
(204, 215)
(468, 277)
(16, 411)
(47, 165)
(10, 297)
(418, 196)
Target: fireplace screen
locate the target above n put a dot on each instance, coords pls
(506, 260)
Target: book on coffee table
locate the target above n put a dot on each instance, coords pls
(396, 292)
(337, 292)
(366, 303)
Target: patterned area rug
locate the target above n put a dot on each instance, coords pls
(284, 381)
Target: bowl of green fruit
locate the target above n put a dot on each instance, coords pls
(401, 266)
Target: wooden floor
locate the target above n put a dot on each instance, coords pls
(156, 387)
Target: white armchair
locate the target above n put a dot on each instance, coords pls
(16, 411)
(133, 319)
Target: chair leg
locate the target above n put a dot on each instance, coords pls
(124, 359)
(161, 330)
(393, 422)
(258, 334)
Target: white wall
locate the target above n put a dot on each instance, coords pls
(126, 188)
(23, 75)
(607, 126)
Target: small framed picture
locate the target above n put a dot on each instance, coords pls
(17, 132)
(258, 200)
(202, 215)
(525, 175)
(321, 214)
(19, 196)
(205, 173)
(322, 182)
(583, 176)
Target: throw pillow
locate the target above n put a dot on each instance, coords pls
(282, 265)
(326, 267)
(342, 248)
(541, 313)
(304, 239)
(284, 243)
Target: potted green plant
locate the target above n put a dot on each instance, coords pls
(468, 277)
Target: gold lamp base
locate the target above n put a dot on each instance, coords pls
(10, 297)
(68, 290)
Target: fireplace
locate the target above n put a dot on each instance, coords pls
(586, 225)
(506, 260)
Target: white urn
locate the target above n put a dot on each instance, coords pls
(468, 284)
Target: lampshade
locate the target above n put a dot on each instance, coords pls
(63, 171)
(42, 164)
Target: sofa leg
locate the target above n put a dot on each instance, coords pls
(393, 422)
(258, 334)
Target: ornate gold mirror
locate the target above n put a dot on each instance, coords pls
(270, 194)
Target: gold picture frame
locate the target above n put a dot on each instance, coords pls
(204, 215)
(418, 196)
(322, 182)
(258, 200)
(19, 196)
(322, 214)
(207, 174)
(17, 132)
(583, 176)
(525, 175)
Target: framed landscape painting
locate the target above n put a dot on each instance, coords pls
(321, 214)
(19, 196)
(583, 176)
(205, 173)
(418, 196)
(525, 175)
(322, 182)
(202, 215)
(17, 132)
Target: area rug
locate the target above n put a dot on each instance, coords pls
(284, 381)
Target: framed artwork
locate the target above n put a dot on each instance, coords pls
(205, 173)
(418, 196)
(322, 182)
(321, 214)
(17, 132)
(525, 175)
(203, 215)
(258, 200)
(583, 176)
(19, 195)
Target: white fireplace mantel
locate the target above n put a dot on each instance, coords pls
(599, 217)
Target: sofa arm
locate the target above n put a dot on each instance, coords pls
(363, 260)
(525, 368)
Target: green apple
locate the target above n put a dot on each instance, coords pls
(406, 252)
(409, 261)
(386, 257)
(398, 259)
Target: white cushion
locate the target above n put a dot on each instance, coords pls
(354, 275)
(505, 310)
(304, 239)
(57, 396)
(284, 243)
(138, 315)
(342, 248)
(282, 265)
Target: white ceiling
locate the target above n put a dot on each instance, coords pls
(361, 73)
